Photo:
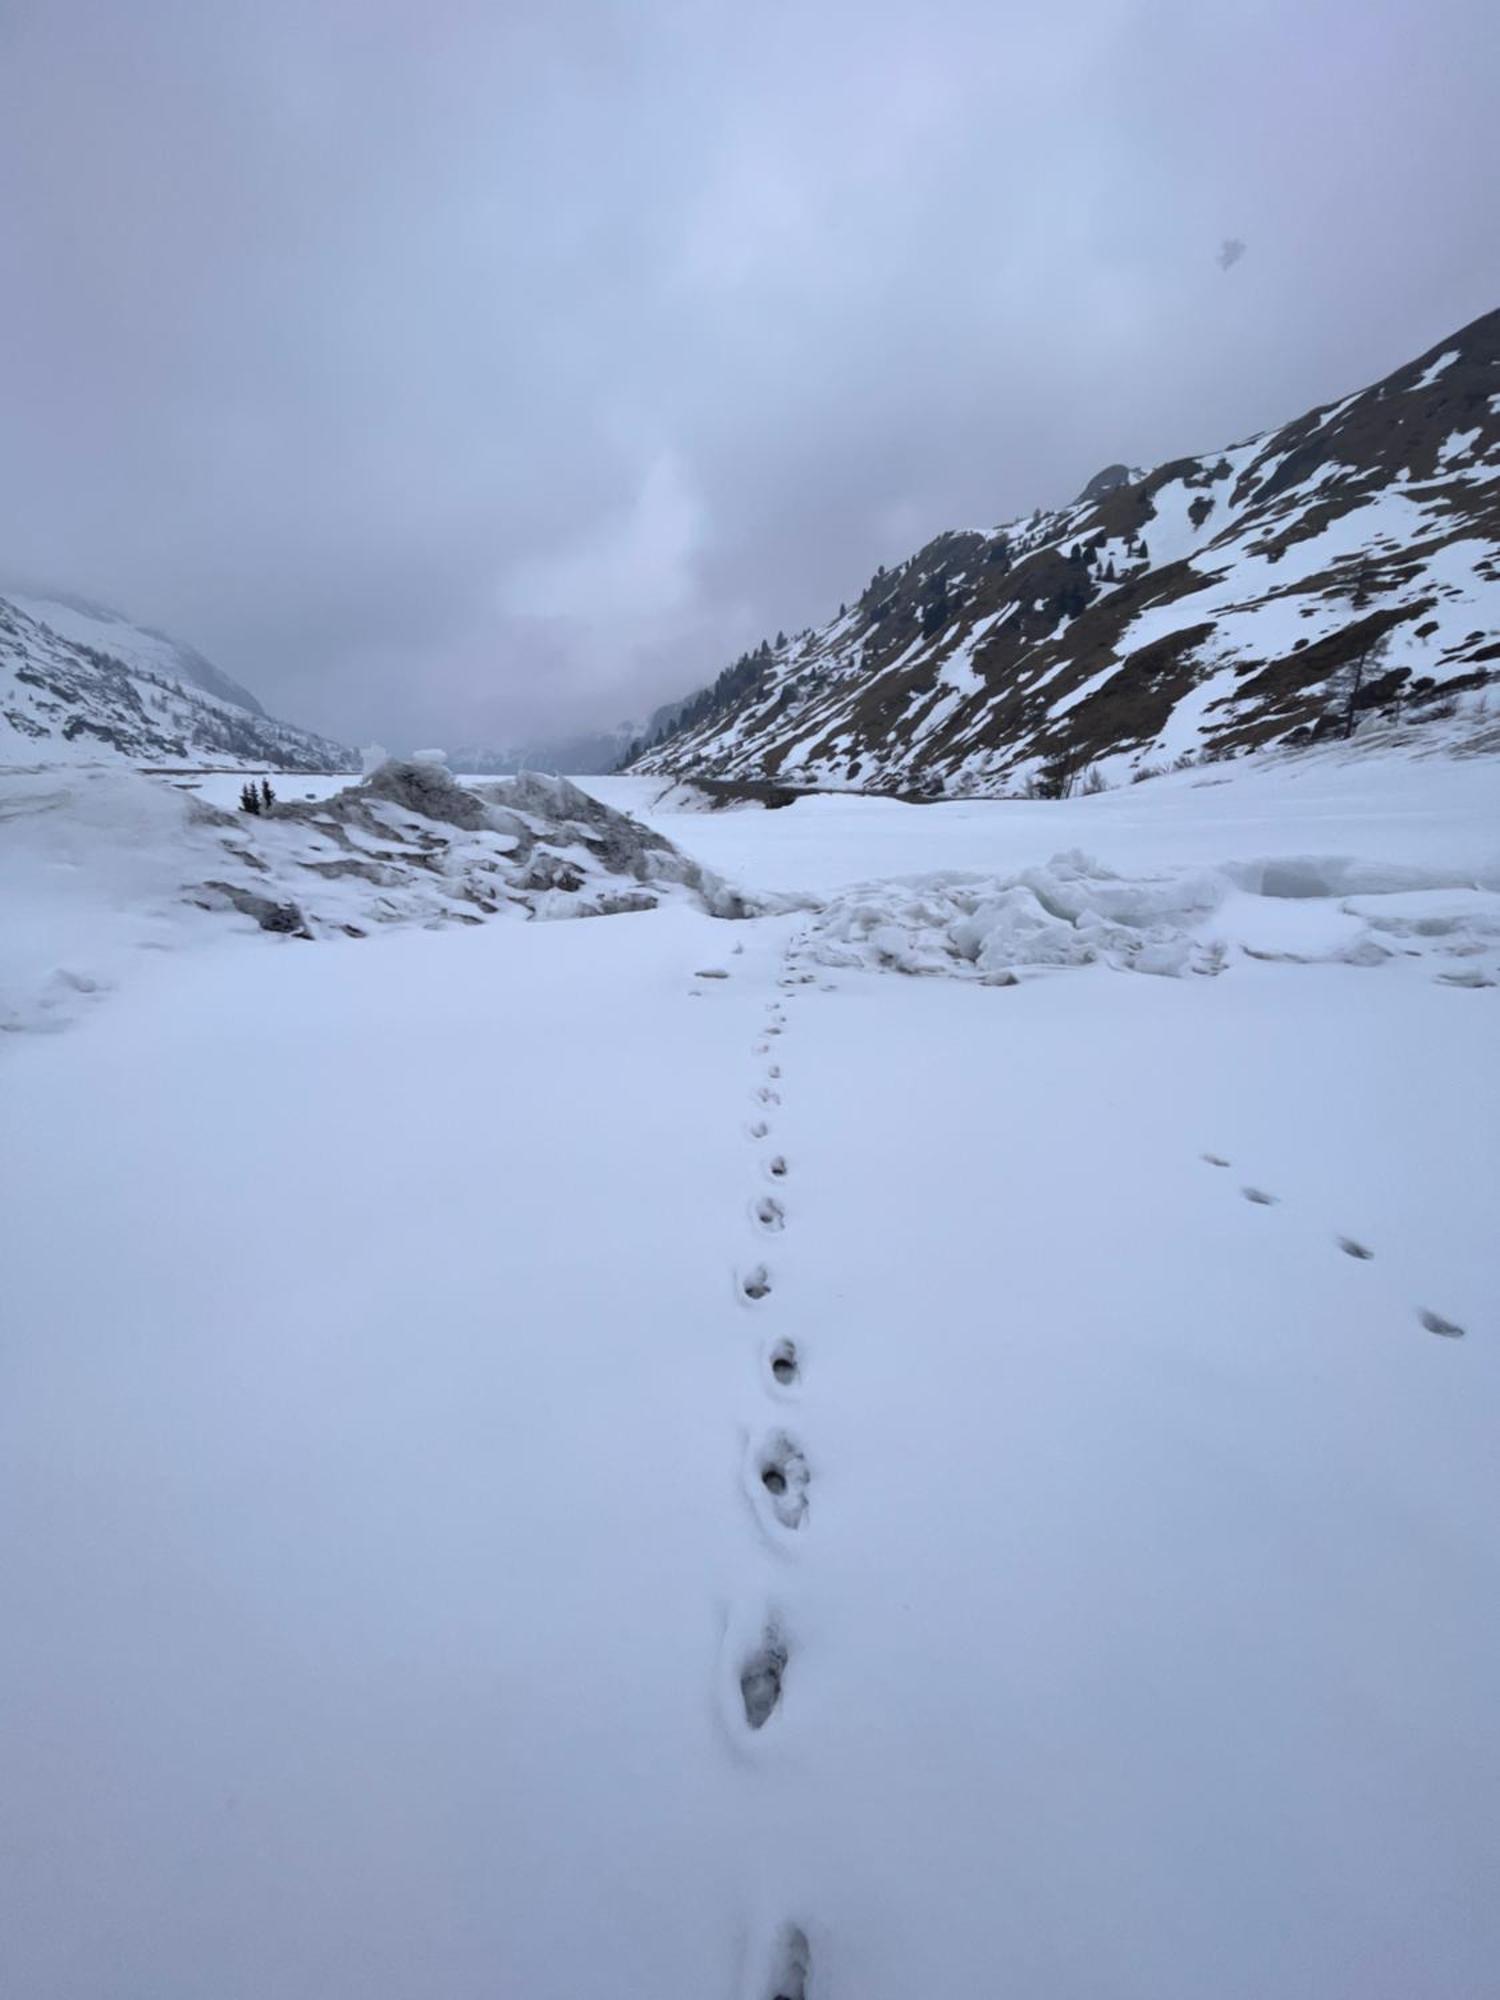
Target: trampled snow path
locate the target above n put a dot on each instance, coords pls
(777, 1477)
(388, 1560)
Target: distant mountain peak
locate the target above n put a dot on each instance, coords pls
(1105, 482)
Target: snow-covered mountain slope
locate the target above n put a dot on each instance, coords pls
(576, 1461)
(98, 863)
(140, 647)
(79, 684)
(1210, 606)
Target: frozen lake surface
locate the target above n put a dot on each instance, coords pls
(677, 1457)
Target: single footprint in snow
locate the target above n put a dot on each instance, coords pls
(784, 1474)
(1214, 1159)
(776, 1167)
(773, 1071)
(757, 1128)
(769, 1213)
(765, 1095)
(792, 1966)
(773, 1031)
(756, 1283)
(1435, 1323)
(1260, 1197)
(1352, 1248)
(762, 1048)
(761, 1678)
(784, 1363)
(711, 972)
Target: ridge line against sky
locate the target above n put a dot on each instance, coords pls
(455, 373)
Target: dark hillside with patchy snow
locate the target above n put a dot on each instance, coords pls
(1345, 565)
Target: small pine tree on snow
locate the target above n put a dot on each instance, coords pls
(1347, 683)
(267, 796)
(249, 798)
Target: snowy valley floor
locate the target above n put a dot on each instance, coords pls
(389, 1567)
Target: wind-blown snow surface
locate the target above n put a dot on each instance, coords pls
(383, 1519)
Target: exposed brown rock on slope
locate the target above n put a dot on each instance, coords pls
(1208, 606)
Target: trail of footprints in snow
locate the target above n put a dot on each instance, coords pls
(1350, 1245)
(780, 1470)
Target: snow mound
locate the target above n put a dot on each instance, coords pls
(97, 864)
(1073, 911)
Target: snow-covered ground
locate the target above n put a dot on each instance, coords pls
(401, 1334)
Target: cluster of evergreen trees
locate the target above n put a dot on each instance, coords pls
(747, 676)
(256, 798)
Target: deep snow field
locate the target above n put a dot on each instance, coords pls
(932, 1446)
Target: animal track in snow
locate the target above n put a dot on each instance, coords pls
(756, 1283)
(784, 1363)
(761, 1678)
(1435, 1323)
(765, 1095)
(769, 1213)
(791, 1967)
(783, 1473)
(773, 1071)
(757, 1128)
(776, 1167)
(1351, 1246)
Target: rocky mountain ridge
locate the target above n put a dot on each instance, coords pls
(1278, 591)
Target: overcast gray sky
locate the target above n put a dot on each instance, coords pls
(460, 371)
